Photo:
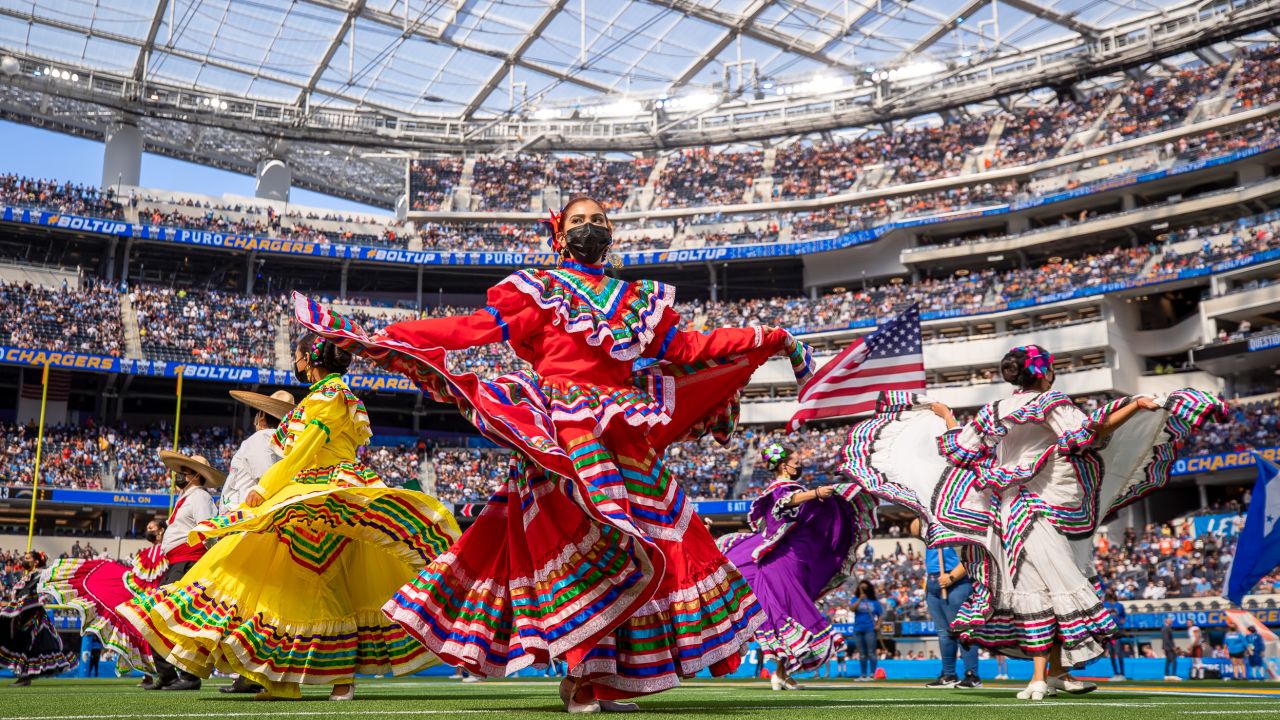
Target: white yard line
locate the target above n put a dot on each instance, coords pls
(881, 703)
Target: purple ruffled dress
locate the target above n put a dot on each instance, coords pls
(793, 557)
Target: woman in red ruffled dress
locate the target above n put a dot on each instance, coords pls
(95, 588)
(591, 552)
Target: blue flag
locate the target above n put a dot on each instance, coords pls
(1258, 549)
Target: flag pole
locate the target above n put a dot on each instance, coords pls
(177, 419)
(35, 481)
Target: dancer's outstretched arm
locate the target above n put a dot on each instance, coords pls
(1124, 414)
(508, 313)
(686, 346)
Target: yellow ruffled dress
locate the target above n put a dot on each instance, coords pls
(293, 591)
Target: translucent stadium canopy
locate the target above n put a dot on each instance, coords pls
(492, 58)
(346, 90)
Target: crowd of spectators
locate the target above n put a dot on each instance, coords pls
(431, 182)
(1257, 84)
(611, 181)
(1161, 103)
(469, 475)
(706, 469)
(134, 452)
(1168, 561)
(72, 457)
(475, 236)
(86, 320)
(705, 177)
(1251, 425)
(60, 196)
(206, 326)
(397, 465)
(508, 183)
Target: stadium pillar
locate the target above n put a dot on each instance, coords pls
(1250, 173)
(1204, 496)
(250, 271)
(1128, 201)
(109, 259)
(346, 265)
(122, 155)
(715, 285)
(124, 266)
(1018, 224)
(419, 306)
(274, 179)
(813, 292)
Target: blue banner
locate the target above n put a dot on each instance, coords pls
(168, 368)
(113, 498)
(250, 243)
(110, 498)
(1134, 621)
(1226, 524)
(722, 507)
(1222, 461)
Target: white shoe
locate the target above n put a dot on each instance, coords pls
(456, 676)
(618, 707)
(1070, 685)
(350, 694)
(1119, 678)
(582, 708)
(1034, 691)
(776, 683)
(791, 684)
(472, 679)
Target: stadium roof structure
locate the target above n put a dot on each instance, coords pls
(344, 89)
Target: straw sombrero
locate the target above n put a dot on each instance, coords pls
(277, 404)
(199, 464)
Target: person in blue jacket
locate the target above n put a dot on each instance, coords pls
(1257, 649)
(867, 611)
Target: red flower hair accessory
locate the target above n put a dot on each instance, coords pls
(553, 222)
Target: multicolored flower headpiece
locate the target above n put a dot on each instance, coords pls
(1038, 361)
(317, 350)
(773, 454)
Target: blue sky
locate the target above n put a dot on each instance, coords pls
(42, 153)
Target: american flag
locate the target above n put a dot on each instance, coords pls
(889, 358)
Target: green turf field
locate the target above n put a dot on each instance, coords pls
(408, 698)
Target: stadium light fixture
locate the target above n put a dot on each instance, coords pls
(619, 108)
(693, 101)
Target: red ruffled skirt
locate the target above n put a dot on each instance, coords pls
(591, 552)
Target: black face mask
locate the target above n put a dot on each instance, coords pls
(150, 536)
(181, 482)
(301, 375)
(588, 243)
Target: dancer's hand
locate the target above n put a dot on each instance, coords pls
(941, 410)
(1147, 403)
(253, 500)
(825, 492)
